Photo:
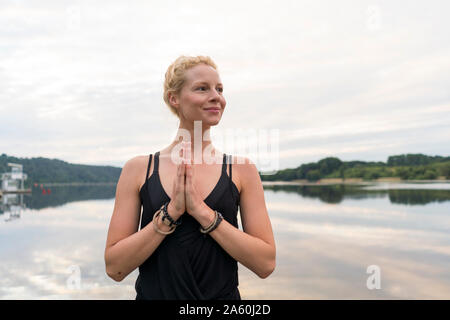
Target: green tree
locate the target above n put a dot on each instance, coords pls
(313, 175)
(329, 165)
(430, 174)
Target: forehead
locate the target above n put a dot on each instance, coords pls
(202, 72)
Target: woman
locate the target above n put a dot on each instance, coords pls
(188, 243)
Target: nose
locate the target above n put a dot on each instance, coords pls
(215, 96)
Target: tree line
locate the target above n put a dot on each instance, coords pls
(44, 170)
(406, 167)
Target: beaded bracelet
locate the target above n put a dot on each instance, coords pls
(155, 222)
(168, 217)
(217, 220)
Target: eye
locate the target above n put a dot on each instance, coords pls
(203, 87)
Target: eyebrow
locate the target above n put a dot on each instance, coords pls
(205, 82)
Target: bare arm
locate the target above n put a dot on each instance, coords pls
(126, 247)
(255, 247)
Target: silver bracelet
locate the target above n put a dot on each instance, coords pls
(217, 220)
(155, 222)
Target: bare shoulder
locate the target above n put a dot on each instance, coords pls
(133, 165)
(135, 169)
(246, 171)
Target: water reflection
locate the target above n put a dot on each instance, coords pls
(12, 204)
(326, 238)
(39, 250)
(60, 195)
(337, 193)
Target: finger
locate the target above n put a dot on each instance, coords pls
(182, 172)
(187, 154)
(188, 174)
(182, 152)
(183, 156)
(187, 170)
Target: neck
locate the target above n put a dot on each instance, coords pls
(201, 147)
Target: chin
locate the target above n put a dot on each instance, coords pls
(210, 122)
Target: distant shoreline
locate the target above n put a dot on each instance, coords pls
(350, 181)
(53, 184)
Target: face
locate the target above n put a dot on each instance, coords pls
(202, 90)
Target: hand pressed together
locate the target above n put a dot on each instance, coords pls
(185, 195)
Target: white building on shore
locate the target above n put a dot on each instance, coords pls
(14, 180)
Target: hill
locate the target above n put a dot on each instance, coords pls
(42, 170)
(406, 167)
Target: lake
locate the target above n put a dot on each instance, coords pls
(382, 241)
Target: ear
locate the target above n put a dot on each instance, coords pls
(173, 99)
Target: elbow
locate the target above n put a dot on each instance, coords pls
(269, 266)
(116, 276)
(112, 272)
(267, 271)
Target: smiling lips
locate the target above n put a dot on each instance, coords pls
(213, 110)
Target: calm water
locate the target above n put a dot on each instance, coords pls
(52, 245)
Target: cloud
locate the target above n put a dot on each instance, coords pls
(82, 73)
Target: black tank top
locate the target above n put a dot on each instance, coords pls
(188, 264)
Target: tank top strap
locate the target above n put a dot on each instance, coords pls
(230, 162)
(224, 163)
(155, 167)
(230, 180)
(148, 167)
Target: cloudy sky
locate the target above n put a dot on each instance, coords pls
(81, 81)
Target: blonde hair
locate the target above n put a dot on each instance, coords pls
(175, 75)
